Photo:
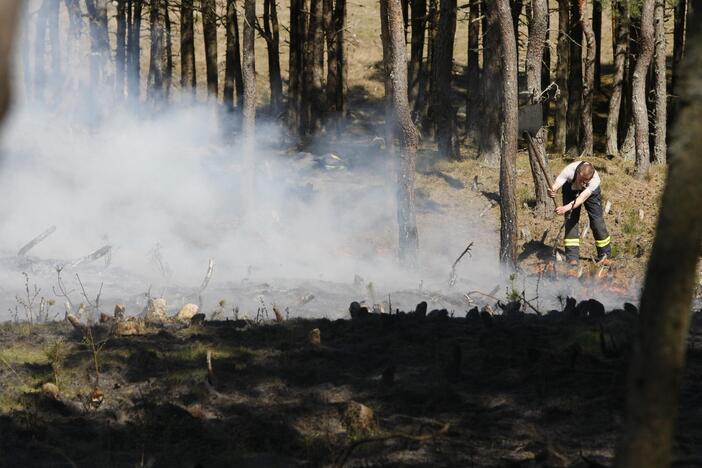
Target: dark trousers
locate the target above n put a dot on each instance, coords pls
(593, 206)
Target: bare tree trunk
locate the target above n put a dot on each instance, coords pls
(516, 7)
(313, 59)
(575, 79)
(406, 218)
(390, 124)
(75, 20)
(680, 23)
(99, 41)
(233, 56)
(8, 23)
(640, 112)
(661, 101)
(55, 43)
(168, 65)
(272, 35)
(562, 70)
(659, 355)
(444, 115)
(121, 49)
(341, 57)
(588, 81)
(621, 45)
(597, 30)
(422, 108)
(40, 30)
(508, 156)
(209, 29)
(419, 25)
(188, 80)
(155, 82)
(538, 30)
(249, 72)
(297, 34)
(473, 73)
(491, 119)
(134, 52)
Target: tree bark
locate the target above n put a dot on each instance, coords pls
(8, 23)
(562, 70)
(422, 106)
(209, 29)
(121, 48)
(232, 65)
(538, 30)
(55, 43)
(659, 355)
(155, 82)
(134, 52)
(188, 80)
(168, 57)
(639, 109)
(660, 84)
(597, 30)
(491, 105)
(406, 217)
(473, 73)
(575, 79)
(679, 28)
(621, 46)
(508, 156)
(444, 115)
(40, 31)
(313, 66)
(419, 26)
(586, 148)
(297, 34)
(341, 57)
(272, 36)
(249, 72)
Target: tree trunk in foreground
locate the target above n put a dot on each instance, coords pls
(586, 143)
(508, 156)
(659, 356)
(443, 112)
(491, 99)
(638, 98)
(406, 218)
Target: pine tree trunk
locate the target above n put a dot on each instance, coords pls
(134, 53)
(538, 30)
(491, 105)
(155, 81)
(621, 45)
(419, 26)
(55, 43)
(473, 73)
(658, 360)
(597, 30)
(679, 28)
(188, 81)
(313, 65)
(121, 48)
(444, 115)
(341, 57)
(516, 7)
(508, 156)
(562, 71)
(575, 79)
(272, 35)
(297, 34)
(209, 29)
(639, 109)
(588, 81)
(40, 30)
(99, 41)
(661, 101)
(406, 217)
(422, 108)
(233, 55)
(8, 22)
(168, 58)
(249, 75)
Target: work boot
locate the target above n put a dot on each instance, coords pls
(604, 260)
(573, 269)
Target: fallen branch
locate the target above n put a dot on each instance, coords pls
(452, 279)
(99, 253)
(32, 243)
(208, 277)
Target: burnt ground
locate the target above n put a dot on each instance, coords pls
(512, 390)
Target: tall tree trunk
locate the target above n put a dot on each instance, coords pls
(659, 355)
(639, 109)
(679, 28)
(390, 124)
(188, 81)
(272, 35)
(661, 101)
(575, 79)
(546, 71)
(562, 70)
(419, 25)
(40, 30)
(233, 56)
(8, 22)
(597, 30)
(508, 156)
(313, 60)
(516, 7)
(75, 17)
(134, 52)
(621, 46)
(297, 34)
(406, 217)
(422, 108)
(473, 73)
(491, 119)
(155, 81)
(121, 48)
(55, 42)
(249, 72)
(538, 30)
(333, 76)
(99, 41)
(444, 115)
(168, 59)
(341, 57)
(588, 80)
(209, 29)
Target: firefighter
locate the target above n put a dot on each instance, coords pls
(581, 186)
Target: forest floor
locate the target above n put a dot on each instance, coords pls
(516, 390)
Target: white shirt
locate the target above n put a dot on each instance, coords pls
(568, 175)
